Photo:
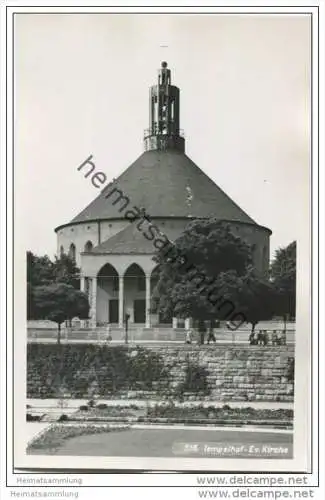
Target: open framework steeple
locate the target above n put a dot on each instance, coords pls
(164, 104)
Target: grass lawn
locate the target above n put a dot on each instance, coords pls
(135, 442)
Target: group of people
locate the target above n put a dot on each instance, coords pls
(262, 338)
(202, 330)
(190, 334)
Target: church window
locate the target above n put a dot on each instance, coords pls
(264, 252)
(88, 246)
(72, 252)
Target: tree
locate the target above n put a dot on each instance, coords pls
(66, 271)
(283, 277)
(39, 273)
(59, 302)
(258, 298)
(210, 245)
(39, 270)
(201, 275)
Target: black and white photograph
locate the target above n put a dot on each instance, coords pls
(161, 245)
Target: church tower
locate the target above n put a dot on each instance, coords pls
(164, 131)
(115, 254)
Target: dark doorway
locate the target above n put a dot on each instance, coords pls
(113, 311)
(139, 311)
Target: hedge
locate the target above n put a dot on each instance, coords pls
(80, 370)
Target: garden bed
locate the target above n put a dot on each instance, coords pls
(221, 416)
(221, 413)
(171, 414)
(53, 437)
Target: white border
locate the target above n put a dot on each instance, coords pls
(163, 463)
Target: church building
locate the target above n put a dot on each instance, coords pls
(114, 238)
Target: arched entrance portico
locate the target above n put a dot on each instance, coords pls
(118, 284)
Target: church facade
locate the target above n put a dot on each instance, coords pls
(114, 239)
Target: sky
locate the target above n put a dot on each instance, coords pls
(82, 88)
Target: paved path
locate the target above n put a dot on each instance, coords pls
(49, 340)
(204, 428)
(53, 340)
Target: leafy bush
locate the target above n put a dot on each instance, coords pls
(225, 414)
(195, 380)
(63, 418)
(291, 369)
(133, 407)
(80, 367)
(33, 418)
(145, 369)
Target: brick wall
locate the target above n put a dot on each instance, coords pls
(219, 373)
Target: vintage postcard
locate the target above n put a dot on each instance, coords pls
(162, 236)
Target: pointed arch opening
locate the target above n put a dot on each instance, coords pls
(72, 251)
(264, 252)
(107, 295)
(135, 293)
(265, 259)
(136, 273)
(88, 246)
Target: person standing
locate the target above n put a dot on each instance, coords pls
(211, 333)
(274, 337)
(109, 333)
(202, 331)
(265, 338)
(188, 337)
(283, 338)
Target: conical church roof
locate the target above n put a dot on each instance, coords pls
(163, 181)
(165, 184)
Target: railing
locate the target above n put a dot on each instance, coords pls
(151, 335)
(149, 132)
